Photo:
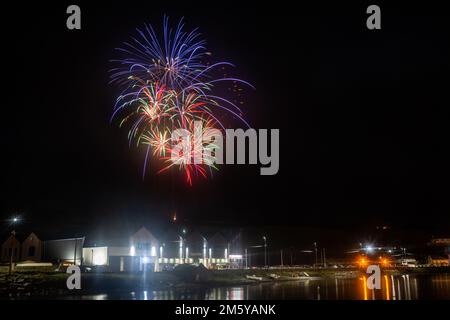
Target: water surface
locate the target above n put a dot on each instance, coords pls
(402, 287)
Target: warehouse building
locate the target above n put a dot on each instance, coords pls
(143, 251)
(137, 253)
(32, 249)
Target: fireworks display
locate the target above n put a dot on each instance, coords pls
(167, 84)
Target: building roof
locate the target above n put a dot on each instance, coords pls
(217, 239)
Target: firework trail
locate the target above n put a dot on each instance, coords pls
(167, 84)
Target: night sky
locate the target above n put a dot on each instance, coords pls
(363, 118)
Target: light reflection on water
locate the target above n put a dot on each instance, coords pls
(402, 287)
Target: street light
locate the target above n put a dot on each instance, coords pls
(246, 258)
(265, 251)
(13, 234)
(315, 249)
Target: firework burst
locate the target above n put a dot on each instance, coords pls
(167, 85)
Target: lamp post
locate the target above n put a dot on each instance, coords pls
(315, 250)
(13, 234)
(265, 251)
(246, 258)
(281, 258)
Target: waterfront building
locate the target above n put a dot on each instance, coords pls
(10, 247)
(139, 252)
(31, 248)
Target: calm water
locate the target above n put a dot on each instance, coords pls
(404, 287)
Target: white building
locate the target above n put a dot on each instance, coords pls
(140, 253)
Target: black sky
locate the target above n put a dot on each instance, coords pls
(363, 117)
